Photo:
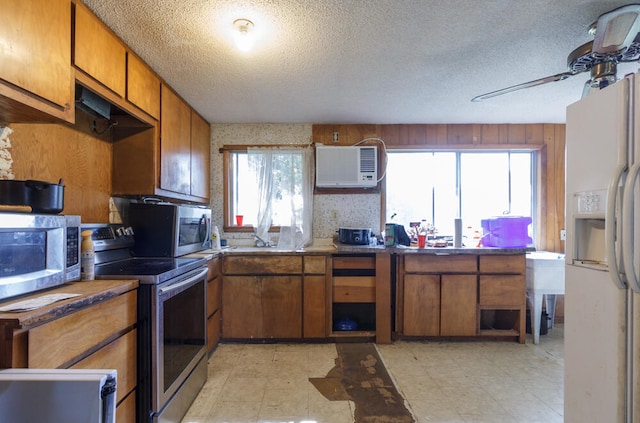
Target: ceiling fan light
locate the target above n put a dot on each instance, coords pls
(618, 29)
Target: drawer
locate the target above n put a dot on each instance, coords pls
(60, 342)
(120, 355)
(262, 265)
(430, 263)
(354, 289)
(502, 290)
(315, 265)
(510, 264)
(354, 262)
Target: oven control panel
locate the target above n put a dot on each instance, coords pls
(108, 236)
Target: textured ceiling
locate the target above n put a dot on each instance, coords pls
(362, 61)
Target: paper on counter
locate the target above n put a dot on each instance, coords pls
(34, 303)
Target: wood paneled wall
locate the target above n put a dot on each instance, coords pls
(548, 139)
(48, 152)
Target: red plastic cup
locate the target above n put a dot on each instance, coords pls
(239, 218)
(422, 240)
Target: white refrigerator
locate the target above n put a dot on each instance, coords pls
(602, 303)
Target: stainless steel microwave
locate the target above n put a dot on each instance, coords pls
(169, 230)
(37, 251)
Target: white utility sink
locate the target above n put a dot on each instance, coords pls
(545, 276)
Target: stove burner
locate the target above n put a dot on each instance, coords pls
(144, 266)
(149, 270)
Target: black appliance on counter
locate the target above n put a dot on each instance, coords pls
(355, 236)
(172, 365)
(169, 230)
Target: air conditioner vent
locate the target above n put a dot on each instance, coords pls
(368, 159)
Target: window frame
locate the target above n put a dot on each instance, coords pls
(539, 159)
(227, 177)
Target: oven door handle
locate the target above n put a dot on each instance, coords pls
(189, 281)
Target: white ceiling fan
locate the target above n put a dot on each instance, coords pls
(616, 40)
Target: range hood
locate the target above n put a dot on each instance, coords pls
(92, 103)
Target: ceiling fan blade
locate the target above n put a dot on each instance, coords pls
(552, 78)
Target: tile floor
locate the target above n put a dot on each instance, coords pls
(441, 381)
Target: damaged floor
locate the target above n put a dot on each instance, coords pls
(399, 383)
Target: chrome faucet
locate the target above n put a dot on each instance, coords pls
(261, 242)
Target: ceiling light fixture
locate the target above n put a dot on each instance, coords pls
(244, 36)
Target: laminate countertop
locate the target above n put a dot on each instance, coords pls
(90, 292)
(338, 248)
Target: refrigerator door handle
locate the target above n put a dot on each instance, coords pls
(627, 223)
(610, 227)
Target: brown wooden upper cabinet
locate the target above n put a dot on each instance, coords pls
(107, 61)
(184, 147)
(175, 143)
(98, 52)
(36, 78)
(200, 155)
(143, 86)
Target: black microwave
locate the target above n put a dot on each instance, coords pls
(169, 230)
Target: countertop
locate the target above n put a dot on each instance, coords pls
(401, 249)
(91, 292)
(338, 248)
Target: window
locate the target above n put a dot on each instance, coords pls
(441, 185)
(271, 187)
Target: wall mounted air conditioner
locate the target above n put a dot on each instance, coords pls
(346, 167)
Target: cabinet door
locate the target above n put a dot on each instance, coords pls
(281, 306)
(241, 307)
(459, 305)
(36, 49)
(200, 156)
(98, 51)
(143, 86)
(421, 315)
(315, 306)
(175, 143)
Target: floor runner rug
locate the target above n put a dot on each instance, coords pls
(360, 376)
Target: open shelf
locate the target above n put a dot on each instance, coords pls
(496, 321)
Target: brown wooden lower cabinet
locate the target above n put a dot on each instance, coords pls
(314, 307)
(274, 296)
(461, 295)
(116, 355)
(126, 411)
(421, 305)
(99, 333)
(440, 305)
(214, 300)
(266, 306)
(458, 305)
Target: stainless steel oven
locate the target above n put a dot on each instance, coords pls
(177, 339)
(172, 365)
